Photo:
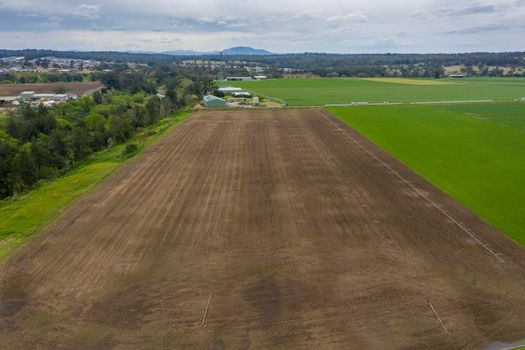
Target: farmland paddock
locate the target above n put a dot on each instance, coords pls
(306, 239)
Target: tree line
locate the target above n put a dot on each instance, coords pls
(390, 64)
(27, 78)
(38, 143)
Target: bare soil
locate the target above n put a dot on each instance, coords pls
(50, 88)
(303, 239)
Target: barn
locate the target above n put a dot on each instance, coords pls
(211, 101)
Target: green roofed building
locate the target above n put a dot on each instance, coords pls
(211, 101)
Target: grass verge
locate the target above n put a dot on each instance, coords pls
(22, 216)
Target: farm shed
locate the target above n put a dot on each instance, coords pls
(229, 89)
(242, 94)
(27, 95)
(239, 78)
(7, 100)
(211, 101)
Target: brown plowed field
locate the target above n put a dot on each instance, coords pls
(48, 88)
(303, 238)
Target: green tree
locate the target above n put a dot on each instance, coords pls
(26, 167)
(202, 86)
(13, 127)
(119, 129)
(138, 117)
(152, 110)
(98, 130)
(43, 155)
(79, 140)
(85, 103)
(97, 98)
(60, 148)
(8, 152)
(170, 102)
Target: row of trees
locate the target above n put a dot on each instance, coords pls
(24, 78)
(301, 60)
(41, 143)
(409, 65)
(384, 65)
(312, 61)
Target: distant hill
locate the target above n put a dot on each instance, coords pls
(234, 51)
(243, 50)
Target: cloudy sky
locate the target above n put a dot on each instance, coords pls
(345, 26)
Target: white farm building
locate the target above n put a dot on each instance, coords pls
(242, 94)
(229, 89)
(239, 78)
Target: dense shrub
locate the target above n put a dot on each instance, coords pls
(130, 150)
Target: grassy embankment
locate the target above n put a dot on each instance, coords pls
(473, 152)
(319, 92)
(22, 216)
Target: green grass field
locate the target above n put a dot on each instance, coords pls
(319, 92)
(473, 152)
(23, 215)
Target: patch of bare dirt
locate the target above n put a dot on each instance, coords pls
(302, 239)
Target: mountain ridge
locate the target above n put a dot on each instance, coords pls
(238, 50)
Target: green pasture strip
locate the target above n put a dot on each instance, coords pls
(22, 216)
(320, 92)
(475, 153)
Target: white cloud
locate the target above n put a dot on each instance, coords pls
(357, 16)
(281, 26)
(207, 20)
(87, 11)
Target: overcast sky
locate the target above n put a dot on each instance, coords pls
(344, 26)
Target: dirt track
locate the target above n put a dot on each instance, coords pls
(302, 237)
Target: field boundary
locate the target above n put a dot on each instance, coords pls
(437, 102)
(462, 227)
